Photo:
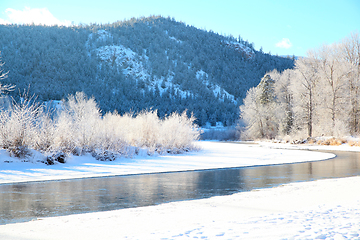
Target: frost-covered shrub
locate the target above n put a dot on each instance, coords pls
(79, 128)
(85, 116)
(178, 133)
(111, 135)
(18, 126)
(77, 123)
(45, 132)
(146, 129)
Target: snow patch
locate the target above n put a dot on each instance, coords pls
(216, 89)
(249, 53)
(104, 35)
(164, 85)
(120, 56)
(175, 39)
(101, 36)
(133, 64)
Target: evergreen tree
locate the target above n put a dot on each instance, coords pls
(267, 89)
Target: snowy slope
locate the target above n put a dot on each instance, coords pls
(249, 53)
(216, 89)
(132, 64)
(129, 61)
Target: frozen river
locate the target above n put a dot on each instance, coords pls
(25, 201)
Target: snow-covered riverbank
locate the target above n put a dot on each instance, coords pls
(211, 155)
(342, 147)
(324, 209)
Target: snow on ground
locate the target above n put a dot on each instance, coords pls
(211, 155)
(323, 209)
(342, 147)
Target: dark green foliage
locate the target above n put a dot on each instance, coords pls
(267, 90)
(58, 61)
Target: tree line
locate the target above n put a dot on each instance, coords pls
(319, 97)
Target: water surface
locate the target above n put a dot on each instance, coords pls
(26, 201)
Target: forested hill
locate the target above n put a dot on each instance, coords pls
(144, 63)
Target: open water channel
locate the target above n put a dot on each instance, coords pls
(26, 201)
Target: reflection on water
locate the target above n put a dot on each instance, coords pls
(26, 201)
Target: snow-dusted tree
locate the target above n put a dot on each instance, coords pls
(269, 104)
(334, 74)
(2, 73)
(77, 123)
(19, 124)
(321, 96)
(258, 110)
(178, 132)
(350, 52)
(304, 91)
(284, 99)
(251, 113)
(266, 86)
(7, 87)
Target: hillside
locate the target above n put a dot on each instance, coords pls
(144, 63)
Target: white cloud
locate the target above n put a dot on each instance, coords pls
(284, 43)
(4, 22)
(38, 16)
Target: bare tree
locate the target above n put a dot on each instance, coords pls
(252, 114)
(304, 90)
(321, 95)
(350, 52)
(7, 87)
(334, 73)
(284, 99)
(5, 101)
(3, 74)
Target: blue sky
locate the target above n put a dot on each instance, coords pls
(283, 27)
